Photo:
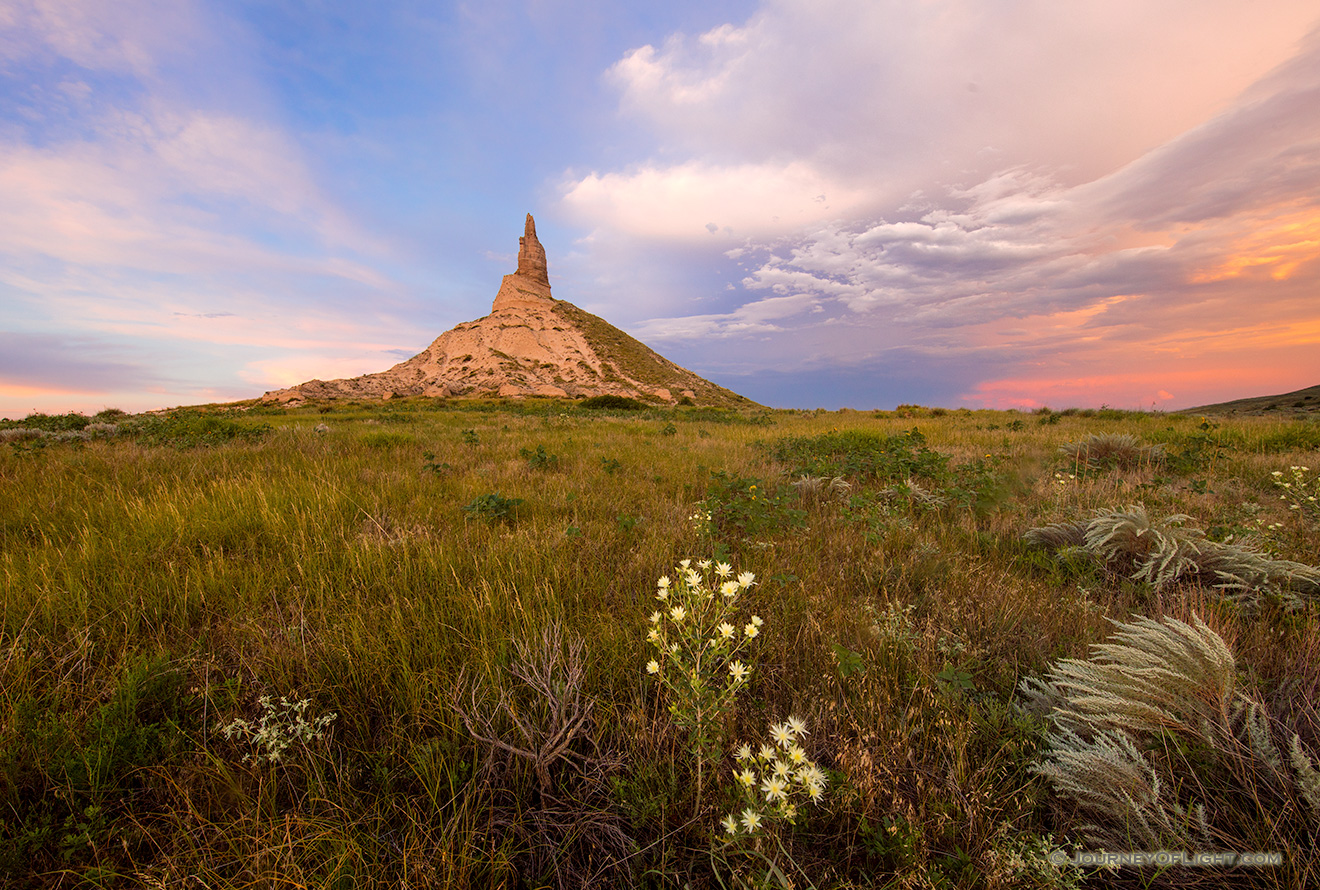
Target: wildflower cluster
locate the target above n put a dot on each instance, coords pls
(279, 727)
(740, 508)
(698, 642)
(775, 779)
(1299, 491)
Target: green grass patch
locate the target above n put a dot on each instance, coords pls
(209, 569)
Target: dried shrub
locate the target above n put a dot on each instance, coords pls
(566, 831)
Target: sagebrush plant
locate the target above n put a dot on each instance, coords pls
(542, 715)
(547, 707)
(1156, 715)
(698, 642)
(280, 727)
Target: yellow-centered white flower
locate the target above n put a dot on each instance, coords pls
(751, 819)
(811, 775)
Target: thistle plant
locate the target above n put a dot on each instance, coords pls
(698, 647)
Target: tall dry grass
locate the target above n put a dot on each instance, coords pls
(155, 591)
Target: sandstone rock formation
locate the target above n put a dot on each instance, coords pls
(529, 287)
(530, 345)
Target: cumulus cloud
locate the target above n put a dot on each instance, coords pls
(697, 199)
(1217, 203)
(771, 314)
(881, 99)
(1059, 182)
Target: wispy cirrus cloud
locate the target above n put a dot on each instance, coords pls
(76, 364)
(144, 203)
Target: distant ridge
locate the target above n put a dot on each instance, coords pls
(530, 345)
(1303, 401)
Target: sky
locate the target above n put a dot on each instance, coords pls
(816, 203)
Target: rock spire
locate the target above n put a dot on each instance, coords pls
(531, 345)
(531, 255)
(529, 286)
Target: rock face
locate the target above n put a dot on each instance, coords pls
(529, 287)
(530, 345)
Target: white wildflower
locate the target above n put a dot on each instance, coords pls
(774, 788)
(751, 819)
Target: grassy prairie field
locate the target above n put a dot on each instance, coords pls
(406, 644)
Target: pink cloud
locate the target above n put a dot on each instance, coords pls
(1127, 381)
